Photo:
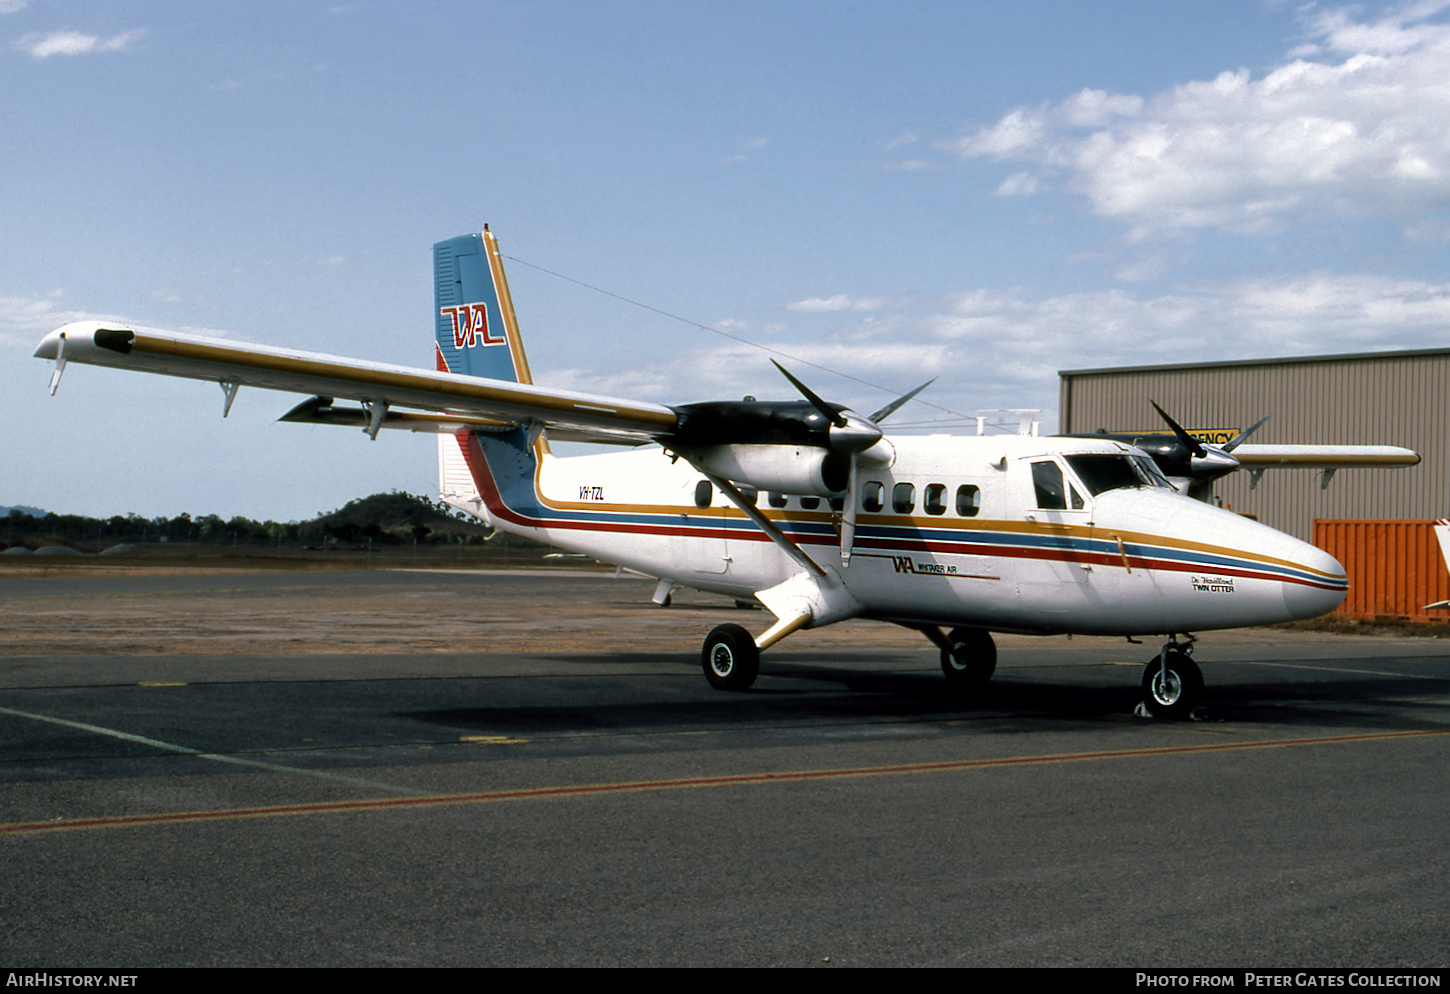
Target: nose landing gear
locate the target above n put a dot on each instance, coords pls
(1172, 681)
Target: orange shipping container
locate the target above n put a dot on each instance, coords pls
(1395, 568)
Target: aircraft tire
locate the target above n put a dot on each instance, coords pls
(729, 658)
(1180, 694)
(972, 660)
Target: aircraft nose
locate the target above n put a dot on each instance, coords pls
(1321, 586)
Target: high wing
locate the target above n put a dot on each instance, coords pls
(1324, 456)
(445, 401)
(1194, 463)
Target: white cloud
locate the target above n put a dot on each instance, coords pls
(1363, 130)
(1017, 185)
(11, 6)
(67, 42)
(996, 348)
(24, 320)
(1305, 315)
(751, 147)
(839, 302)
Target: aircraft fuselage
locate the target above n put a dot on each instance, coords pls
(1015, 534)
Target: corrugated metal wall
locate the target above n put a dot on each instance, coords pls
(1395, 568)
(1379, 399)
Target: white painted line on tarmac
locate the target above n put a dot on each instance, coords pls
(1338, 669)
(217, 757)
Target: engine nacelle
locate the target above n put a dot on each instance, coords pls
(784, 469)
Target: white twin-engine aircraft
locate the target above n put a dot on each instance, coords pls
(803, 506)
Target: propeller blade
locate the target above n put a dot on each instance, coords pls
(836, 418)
(890, 408)
(1231, 443)
(1193, 444)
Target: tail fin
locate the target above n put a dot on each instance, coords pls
(476, 334)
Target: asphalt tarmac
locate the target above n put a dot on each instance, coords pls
(393, 768)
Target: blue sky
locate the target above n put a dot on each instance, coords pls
(986, 193)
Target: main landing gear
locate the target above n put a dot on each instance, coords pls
(730, 659)
(968, 656)
(1172, 681)
(970, 659)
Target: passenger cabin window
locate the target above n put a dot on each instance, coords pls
(934, 501)
(903, 498)
(776, 500)
(969, 500)
(810, 503)
(837, 503)
(873, 497)
(1047, 481)
(750, 494)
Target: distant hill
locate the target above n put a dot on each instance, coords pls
(34, 512)
(399, 514)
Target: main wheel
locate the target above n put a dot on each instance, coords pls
(1176, 692)
(972, 659)
(730, 659)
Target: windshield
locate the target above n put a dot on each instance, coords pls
(1115, 472)
(1150, 469)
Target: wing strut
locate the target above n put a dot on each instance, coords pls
(809, 599)
(777, 536)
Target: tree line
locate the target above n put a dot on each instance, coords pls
(390, 519)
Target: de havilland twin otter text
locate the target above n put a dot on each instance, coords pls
(803, 505)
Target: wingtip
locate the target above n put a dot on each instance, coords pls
(49, 347)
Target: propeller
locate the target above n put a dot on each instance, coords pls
(815, 422)
(849, 429)
(853, 434)
(890, 408)
(1233, 443)
(1193, 445)
(849, 432)
(1206, 462)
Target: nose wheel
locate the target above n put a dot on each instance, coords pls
(1172, 682)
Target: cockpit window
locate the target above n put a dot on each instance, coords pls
(1100, 472)
(1150, 469)
(1047, 481)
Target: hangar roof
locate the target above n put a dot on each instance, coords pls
(1284, 360)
